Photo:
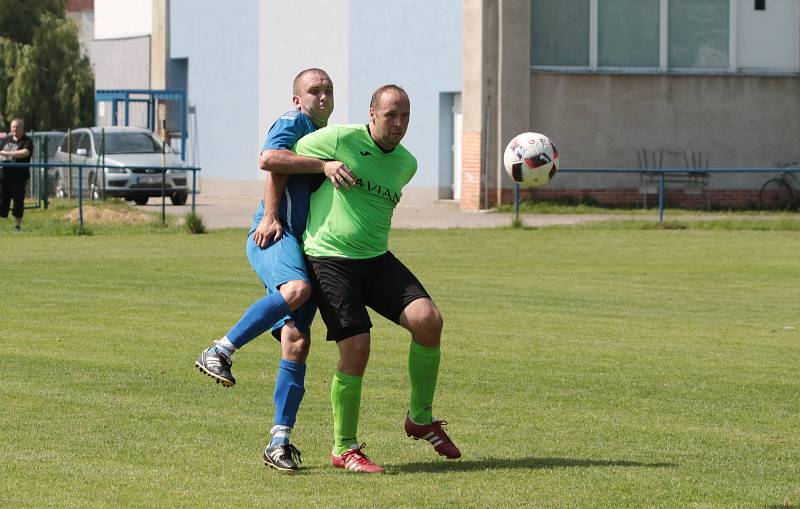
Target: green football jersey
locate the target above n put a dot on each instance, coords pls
(355, 222)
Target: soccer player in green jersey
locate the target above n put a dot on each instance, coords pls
(350, 267)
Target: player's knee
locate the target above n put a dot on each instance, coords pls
(427, 319)
(295, 293)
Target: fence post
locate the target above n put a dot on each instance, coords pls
(80, 199)
(103, 159)
(163, 172)
(194, 179)
(45, 142)
(661, 198)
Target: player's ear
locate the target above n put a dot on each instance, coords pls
(371, 113)
(296, 101)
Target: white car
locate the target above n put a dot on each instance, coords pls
(132, 159)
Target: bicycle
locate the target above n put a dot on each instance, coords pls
(780, 193)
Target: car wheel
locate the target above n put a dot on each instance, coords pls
(140, 200)
(95, 190)
(178, 198)
(60, 186)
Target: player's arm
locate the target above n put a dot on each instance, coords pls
(16, 154)
(287, 162)
(270, 226)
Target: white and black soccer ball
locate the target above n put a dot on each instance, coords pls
(531, 159)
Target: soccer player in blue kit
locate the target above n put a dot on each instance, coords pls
(275, 253)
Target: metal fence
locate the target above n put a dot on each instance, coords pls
(781, 191)
(41, 185)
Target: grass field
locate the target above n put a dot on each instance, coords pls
(582, 367)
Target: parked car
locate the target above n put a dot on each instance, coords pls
(50, 140)
(131, 158)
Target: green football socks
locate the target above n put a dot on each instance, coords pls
(423, 368)
(346, 401)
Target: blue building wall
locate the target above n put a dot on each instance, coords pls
(221, 45)
(418, 45)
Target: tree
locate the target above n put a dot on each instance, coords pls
(9, 56)
(47, 81)
(20, 18)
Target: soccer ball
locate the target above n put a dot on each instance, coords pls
(531, 159)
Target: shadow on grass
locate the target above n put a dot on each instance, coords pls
(521, 463)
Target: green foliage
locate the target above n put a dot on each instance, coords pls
(194, 223)
(602, 369)
(19, 19)
(9, 58)
(47, 82)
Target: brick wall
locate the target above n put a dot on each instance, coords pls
(79, 5)
(713, 198)
(471, 191)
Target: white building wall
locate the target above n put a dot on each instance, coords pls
(116, 19)
(768, 39)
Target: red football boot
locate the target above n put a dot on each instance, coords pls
(357, 461)
(433, 433)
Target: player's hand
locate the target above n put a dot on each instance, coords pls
(268, 229)
(339, 174)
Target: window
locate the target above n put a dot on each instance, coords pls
(664, 35)
(84, 143)
(554, 26)
(122, 142)
(627, 33)
(75, 141)
(698, 33)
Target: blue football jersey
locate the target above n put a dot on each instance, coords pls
(294, 204)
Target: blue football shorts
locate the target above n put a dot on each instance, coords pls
(279, 263)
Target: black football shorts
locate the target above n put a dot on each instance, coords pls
(344, 288)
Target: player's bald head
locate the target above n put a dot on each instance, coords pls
(300, 79)
(390, 89)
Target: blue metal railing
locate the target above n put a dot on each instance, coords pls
(162, 170)
(661, 173)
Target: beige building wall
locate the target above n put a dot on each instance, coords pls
(495, 94)
(601, 120)
(513, 86)
(473, 101)
(159, 46)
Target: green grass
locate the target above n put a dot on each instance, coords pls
(54, 221)
(581, 368)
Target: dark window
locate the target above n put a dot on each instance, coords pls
(560, 32)
(761, 5)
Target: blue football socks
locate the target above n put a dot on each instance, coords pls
(289, 391)
(259, 318)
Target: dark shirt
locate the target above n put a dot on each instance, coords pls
(22, 143)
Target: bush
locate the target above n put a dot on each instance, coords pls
(194, 223)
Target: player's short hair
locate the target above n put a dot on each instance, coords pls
(376, 96)
(19, 121)
(302, 74)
